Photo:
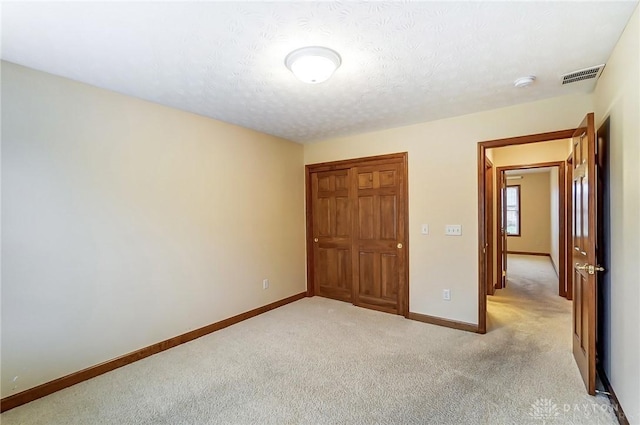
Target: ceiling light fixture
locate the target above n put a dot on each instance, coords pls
(313, 64)
(524, 81)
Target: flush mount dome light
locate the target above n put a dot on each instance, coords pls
(313, 64)
(524, 81)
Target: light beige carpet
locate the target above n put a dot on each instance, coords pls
(319, 361)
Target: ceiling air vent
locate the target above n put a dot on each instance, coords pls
(583, 74)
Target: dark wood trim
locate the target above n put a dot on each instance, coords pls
(454, 324)
(482, 157)
(353, 162)
(499, 220)
(569, 228)
(617, 407)
(531, 138)
(489, 223)
(532, 165)
(311, 291)
(603, 242)
(542, 254)
(50, 387)
(404, 307)
(482, 242)
(562, 230)
(403, 157)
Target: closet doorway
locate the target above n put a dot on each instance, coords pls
(357, 239)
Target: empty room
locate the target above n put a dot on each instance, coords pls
(320, 212)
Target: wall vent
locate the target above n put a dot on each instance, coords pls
(582, 74)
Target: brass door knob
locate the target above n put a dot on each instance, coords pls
(589, 268)
(315, 239)
(399, 245)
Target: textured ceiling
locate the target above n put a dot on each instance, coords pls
(403, 63)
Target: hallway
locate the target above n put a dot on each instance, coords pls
(530, 302)
(530, 313)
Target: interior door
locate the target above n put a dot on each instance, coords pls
(379, 237)
(584, 251)
(332, 234)
(503, 229)
(488, 246)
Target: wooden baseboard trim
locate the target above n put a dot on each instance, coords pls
(542, 254)
(454, 324)
(50, 387)
(617, 408)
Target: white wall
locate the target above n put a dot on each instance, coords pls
(443, 190)
(617, 96)
(126, 223)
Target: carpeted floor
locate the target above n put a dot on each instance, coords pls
(319, 361)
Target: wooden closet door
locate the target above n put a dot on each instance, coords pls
(332, 225)
(378, 237)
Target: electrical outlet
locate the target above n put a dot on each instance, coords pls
(446, 294)
(265, 284)
(453, 230)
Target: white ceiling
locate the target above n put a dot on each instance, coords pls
(403, 63)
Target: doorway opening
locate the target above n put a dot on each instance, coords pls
(583, 254)
(531, 215)
(492, 259)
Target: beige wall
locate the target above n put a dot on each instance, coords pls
(617, 96)
(554, 218)
(126, 223)
(532, 153)
(535, 220)
(443, 190)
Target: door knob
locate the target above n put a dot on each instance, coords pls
(399, 245)
(589, 268)
(315, 239)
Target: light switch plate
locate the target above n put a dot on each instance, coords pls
(425, 229)
(453, 230)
